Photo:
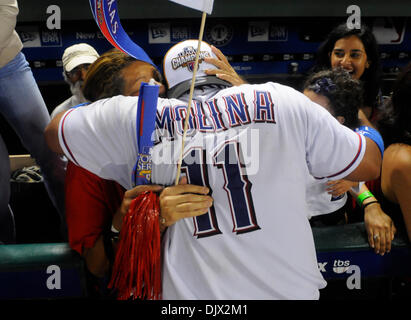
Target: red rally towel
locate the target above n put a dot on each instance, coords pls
(137, 265)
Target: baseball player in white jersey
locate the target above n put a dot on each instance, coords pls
(252, 146)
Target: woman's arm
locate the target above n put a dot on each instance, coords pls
(380, 228)
(370, 166)
(400, 182)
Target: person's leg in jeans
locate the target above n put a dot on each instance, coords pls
(7, 227)
(23, 107)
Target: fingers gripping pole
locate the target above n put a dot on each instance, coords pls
(180, 160)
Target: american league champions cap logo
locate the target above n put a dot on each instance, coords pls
(178, 66)
(186, 58)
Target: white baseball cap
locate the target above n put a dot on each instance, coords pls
(78, 54)
(178, 67)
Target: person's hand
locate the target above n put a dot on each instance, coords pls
(380, 228)
(129, 196)
(224, 70)
(183, 201)
(339, 187)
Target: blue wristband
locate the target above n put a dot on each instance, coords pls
(373, 134)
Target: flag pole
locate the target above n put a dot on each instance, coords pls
(200, 38)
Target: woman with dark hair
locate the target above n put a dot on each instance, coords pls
(395, 127)
(339, 93)
(95, 207)
(355, 50)
(115, 73)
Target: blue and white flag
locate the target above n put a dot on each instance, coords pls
(145, 126)
(105, 13)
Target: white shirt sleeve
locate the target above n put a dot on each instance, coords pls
(101, 137)
(333, 150)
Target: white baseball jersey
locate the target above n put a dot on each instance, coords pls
(252, 145)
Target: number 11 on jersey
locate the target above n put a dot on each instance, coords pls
(236, 185)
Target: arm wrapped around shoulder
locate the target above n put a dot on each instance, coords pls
(373, 134)
(370, 166)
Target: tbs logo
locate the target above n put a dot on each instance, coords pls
(340, 266)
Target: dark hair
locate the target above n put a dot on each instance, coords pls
(371, 77)
(395, 122)
(103, 78)
(343, 92)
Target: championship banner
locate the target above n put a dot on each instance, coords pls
(145, 126)
(105, 13)
(202, 5)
